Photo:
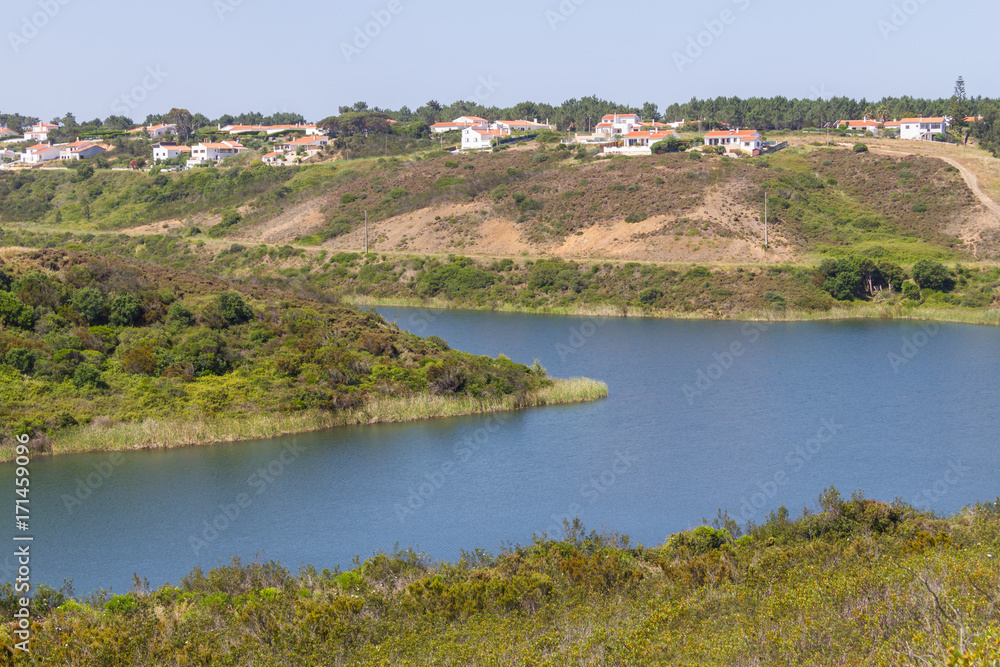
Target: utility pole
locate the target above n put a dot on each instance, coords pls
(765, 221)
(366, 232)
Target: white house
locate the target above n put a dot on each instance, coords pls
(7, 133)
(617, 123)
(274, 158)
(7, 155)
(79, 150)
(461, 123)
(214, 152)
(269, 129)
(159, 130)
(40, 153)
(676, 124)
(166, 150)
(639, 142)
(310, 144)
(733, 140)
(474, 138)
(40, 132)
(922, 128)
(519, 125)
(864, 125)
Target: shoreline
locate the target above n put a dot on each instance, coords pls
(175, 433)
(863, 312)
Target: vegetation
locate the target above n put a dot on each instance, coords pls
(122, 348)
(856, 582)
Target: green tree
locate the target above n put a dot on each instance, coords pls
(182, 118)
(90, 303)
(126, 310)
(180, 314)
(233, 308)
(956, 108)
(87, 375)
(22, 359)
(931, 275)
(14, 313)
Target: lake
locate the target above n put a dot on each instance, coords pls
(701, 415)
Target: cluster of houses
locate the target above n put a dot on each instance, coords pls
(478, 133)
(921, 128)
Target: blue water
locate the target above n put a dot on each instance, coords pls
(701, 415)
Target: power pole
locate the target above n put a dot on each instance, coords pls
(366, 232)
(765, 221)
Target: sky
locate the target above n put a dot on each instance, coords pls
(96, 58)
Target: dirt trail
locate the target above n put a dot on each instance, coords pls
(988, 221)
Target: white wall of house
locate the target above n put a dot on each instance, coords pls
(477, 138)
(79, 153)
(922, 128)
(38, 155)
(168, 152)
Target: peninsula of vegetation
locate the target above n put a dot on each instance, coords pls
(111, 355)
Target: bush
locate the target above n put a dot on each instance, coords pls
(21, 359)
(650, 296)
(919, 207)
(348, 198)
(860, 148)
(14, 313)
(90, 303)
(911, 291)
(233, 308)
(635, 217)
(180, 314)
(931, 275)
(87, 375)
(125, 310)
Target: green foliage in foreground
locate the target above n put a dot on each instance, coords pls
(861, 582)
(101, 342)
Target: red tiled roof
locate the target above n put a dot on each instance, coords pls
(928, 119)
(732, 133)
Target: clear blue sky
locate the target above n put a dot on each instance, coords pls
(98, 57)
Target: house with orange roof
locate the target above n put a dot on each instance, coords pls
(519, 125)
(40, 153)
(79, 150)
(476, 138)
(167, 150)
(7, 155)
(310, 144)
(735, 140)
(40, 131)
(617, 123)
(206, 152)
(921, 128)
(638, 142)
(461, 123)
(274, 158)
(269, 130)
(162, 129)
(7, 133)
(864, 125)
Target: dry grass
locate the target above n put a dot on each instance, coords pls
(163, 434)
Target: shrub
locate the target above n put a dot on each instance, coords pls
(448, 180)
(90, 303)
(911, 291)
(451, 164)
(87, 375)
(125, 310)
(931, 275)
(396, 193)
(919, 207)
(14, 313)
(22, 359)
(139, 361)
(348, 198)
(233, 308)
(635, 217)
(180, 314)
(860, 148)
(650, 296)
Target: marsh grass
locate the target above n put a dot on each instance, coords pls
(168, 433)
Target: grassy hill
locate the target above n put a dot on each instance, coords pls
(857, 582)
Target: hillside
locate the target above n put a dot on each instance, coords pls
(539, 199)
(109, 354)
(858, 582)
